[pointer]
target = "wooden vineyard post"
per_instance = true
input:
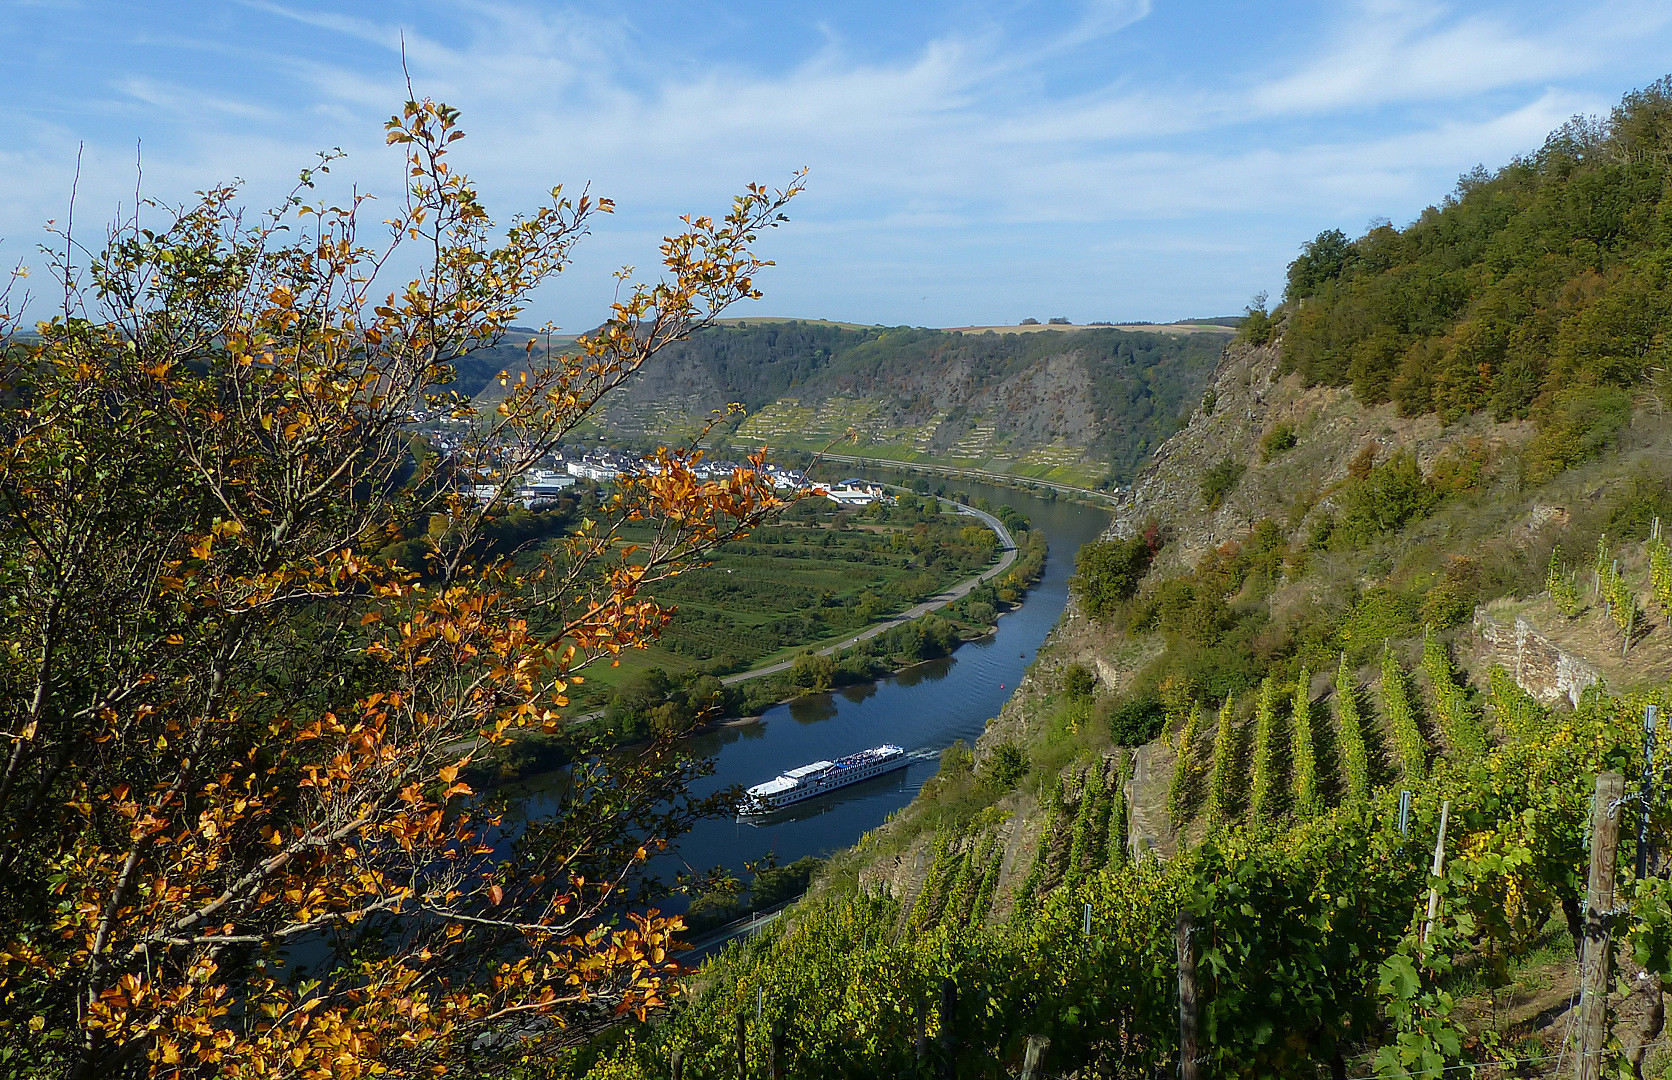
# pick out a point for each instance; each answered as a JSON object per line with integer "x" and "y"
{"x": 1190, "y": 1051}
{"x": 742, "y": 1047}
{"x": 948, "y": 1033}
{"x": 1434, "y": 871}
{"x": 1595, "y": 954}
{"x": 1646, "y": 795}
{"x": 775, "y": 1053}
{"x": 1033, "y": 1064}
{"x": 676, "y": 1065}
{"x": 922, "y": 1031}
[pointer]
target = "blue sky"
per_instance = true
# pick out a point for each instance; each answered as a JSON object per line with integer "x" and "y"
{"x": 970, "y": 163}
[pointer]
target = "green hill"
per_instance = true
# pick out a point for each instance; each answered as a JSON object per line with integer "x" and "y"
{"x": 1083, "y": 406}
{"x": 1543, "y": 290}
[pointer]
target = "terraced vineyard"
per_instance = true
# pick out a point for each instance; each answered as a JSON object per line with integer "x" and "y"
{"x": 1310, "y": 779}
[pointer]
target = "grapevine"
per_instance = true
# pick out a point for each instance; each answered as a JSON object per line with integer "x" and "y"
{"x": 961, "y": 887}
{"x": 1224, "y": 764}
{"x": 1261, "y": 799}
{"x": 1521, "y": 716}
{"x": 1310, "y": 932}
{"x": 1178, "y": 793}
{"x": 1027, "y": 894}
{"x": 1660, "y": 575}
{"x": 1396, "y": 703}
{"x": 1091, "y": 794}
{"x": 962, "y": 904}
{"x": 1120, "y": 826}
{"x": 926, "y": 910}
{"x": 1302, "y": 754}
{"x": 1350, "y": 723}
{"x": 1619, "y": 599}
{"x": 989, "y": 880}
{"x": 1558, "y": 580}
{"x": 1456, "y": 717}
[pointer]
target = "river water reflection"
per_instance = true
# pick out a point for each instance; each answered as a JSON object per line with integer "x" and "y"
{"x": 924, "y": 709}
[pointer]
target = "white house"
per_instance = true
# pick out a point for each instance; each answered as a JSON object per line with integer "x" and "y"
{"x": 853, "y": 493}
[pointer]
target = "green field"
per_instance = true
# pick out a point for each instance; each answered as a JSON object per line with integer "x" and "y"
{"x": 815, "y": 578}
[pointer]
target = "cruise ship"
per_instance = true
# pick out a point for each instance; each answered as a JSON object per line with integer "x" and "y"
{"x": 821, "y": 778}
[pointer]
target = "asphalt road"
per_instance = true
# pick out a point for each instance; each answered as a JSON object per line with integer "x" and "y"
{"x": 1007, "y": 555}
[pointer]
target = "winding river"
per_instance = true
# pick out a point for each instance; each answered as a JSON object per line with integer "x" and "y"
{"x": 924, "y": 709}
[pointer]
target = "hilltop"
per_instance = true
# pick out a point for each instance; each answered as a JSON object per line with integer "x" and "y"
{"x": 1076, "y": 405}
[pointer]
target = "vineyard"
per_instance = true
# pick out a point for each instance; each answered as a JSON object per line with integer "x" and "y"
{"x": 1306, "y": 811}
{"x": 1310, "y": 930}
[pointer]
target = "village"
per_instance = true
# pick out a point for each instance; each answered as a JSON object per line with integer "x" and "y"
{"x": 481, "y": 470}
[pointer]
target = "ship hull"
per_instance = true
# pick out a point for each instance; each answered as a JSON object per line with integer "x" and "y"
{"x": 760, "y": 805}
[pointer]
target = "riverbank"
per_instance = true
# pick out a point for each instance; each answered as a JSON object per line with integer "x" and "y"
{"x": 930, "y": 630}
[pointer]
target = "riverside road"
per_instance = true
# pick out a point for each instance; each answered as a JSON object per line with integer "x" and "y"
{"x": 1007, "y": 555}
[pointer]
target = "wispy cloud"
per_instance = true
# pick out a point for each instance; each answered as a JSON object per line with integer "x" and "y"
{"x": 979, "y": 146}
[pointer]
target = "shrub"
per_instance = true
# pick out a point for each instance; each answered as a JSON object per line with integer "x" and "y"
{"x": 1005, "y": 767}
{"x": 1107, "y": 572}
{"x": 1135, "y": 721}
{"x": 774, "y": 884}
{"x": 1378, "y": 615}
{"x": 1573, "y": 426}
{"x": 1388, "y": 497}
{"x": 1277, "y": 440}
{"x": 1219, "y": 481}
{"x": 1013, "y": 519}
{"x": 812, "y": 672}
{"x": 1079, "y": 682}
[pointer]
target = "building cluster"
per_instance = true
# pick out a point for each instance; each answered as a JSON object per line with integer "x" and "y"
{"x": 559, "y": 470}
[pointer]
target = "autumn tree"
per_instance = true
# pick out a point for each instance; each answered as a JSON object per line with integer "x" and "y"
{"x": 236, "y": 832}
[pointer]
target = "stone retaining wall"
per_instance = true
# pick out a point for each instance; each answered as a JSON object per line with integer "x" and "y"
{"x": 1538, "y": 664}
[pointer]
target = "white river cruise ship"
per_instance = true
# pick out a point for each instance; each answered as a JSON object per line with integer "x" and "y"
{"x": 822, "y": 777}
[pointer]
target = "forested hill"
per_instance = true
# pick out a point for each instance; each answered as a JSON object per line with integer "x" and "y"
{"x": 1084, "y": 405}
{"x": 1541, "y": 290}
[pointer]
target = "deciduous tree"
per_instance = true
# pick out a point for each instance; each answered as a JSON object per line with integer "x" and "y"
{"x": 236, "y": 832}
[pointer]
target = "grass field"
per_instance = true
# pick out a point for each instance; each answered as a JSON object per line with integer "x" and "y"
{"x": 811, "y": 580}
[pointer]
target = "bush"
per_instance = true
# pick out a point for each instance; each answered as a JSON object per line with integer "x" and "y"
{"x": 1258, "y": 327}
{"x": 1013, "y": 519}
{"x": 1107, "y": 572}
{"x": 1573, "y": 426}
{"x": 1005, "y": 767}
{"x": 1079, "y": 682}
{"x": 1219, "y": 481}
{"x": 812, "y": 672}
{"x": 774, "y": 884}
{"x": 1135, "y": 721}
{"x": 1389, "y": 496}
{"x": 1277, "y": 440}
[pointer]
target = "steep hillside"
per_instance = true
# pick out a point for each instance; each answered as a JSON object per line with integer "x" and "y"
{"x": 1081, "y": 406}
{"x": 1414, "y": 537}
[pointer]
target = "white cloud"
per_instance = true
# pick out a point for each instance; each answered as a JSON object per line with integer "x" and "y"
{"x": 959, "y": 141}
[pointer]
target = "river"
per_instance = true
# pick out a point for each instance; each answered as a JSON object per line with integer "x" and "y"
{"x": 924, "y": 709}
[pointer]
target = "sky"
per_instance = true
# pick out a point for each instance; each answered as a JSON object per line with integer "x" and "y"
{"x": 969, "y": 163}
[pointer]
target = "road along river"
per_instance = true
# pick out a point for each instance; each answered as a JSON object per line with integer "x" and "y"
{"x": 924, "y": 709}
